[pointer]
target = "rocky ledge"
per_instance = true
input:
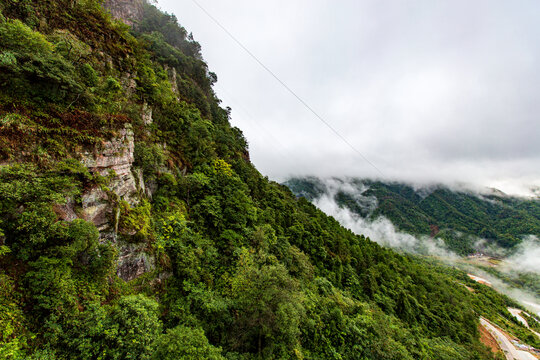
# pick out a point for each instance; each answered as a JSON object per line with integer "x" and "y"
{"x": 129, "y": 11}
{"x": 112, "y": 159}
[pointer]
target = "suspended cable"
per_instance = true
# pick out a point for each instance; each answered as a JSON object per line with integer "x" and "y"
{"x": 305, "y": 104}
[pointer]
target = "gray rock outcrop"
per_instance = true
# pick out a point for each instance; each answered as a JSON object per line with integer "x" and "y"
{"x": 129, "y": 11}
{"x": 133, "y": 262}
{"x": 113, "y": 159}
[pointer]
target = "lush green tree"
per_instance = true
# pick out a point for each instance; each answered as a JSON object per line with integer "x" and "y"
{"x": 12, "y": 339}
{"x": 185, "y": 343}
{"x": 126, "y": 330}
{"x": 269, "y": 306}
{"x": 135, "y": 318}
{"x": 31, "y": 67}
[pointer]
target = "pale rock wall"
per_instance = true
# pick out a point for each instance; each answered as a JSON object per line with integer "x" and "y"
{"x": 173, "y": 79}
{"x": 129, "y": 11}
{"x": 114, "y": 158}
{"x": 133, "y": 261}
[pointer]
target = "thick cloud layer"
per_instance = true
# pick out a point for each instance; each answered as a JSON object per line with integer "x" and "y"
{"x": 426, "y": 90}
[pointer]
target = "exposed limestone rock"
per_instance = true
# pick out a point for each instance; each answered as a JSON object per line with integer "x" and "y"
{"x": 129, "y": 11}
{"x": 146, "y": 114}
{"x": 116, "y": 153}
{"x": 115, "y": 157}
{"x": 133, "y": 261}
{"x": 173, "y": 79}
{"x": 112, "y": 158}
{"x": 96, "y": 208}
{"x": 145, "y": 187}
{"x": 139, "y": 179}
{"x": 151, "y": 187}
{"x": 129, "y": 84}
{"x": 66, "y": 212}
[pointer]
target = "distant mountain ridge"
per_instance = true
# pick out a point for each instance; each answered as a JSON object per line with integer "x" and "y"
{"x": 460, "y": 217}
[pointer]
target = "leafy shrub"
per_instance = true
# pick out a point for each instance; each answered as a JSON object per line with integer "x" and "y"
{"x": 125, "y": 330}
{"x": 149, "y": 158}
{"x": 12, "y": 339}
{"x": 185, "y": 343}
{"x": 38, "y": 70}
{"x": 90, "y": 76}
{"x": 136, "y": 220}
{"x": 135, "y": 320}
{"x": 70, "y": 46}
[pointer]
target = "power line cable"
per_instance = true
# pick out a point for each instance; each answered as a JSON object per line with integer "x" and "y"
{"x": 306, "y": 105}
{"x": 280, "y": 149}
{"x": 248, "y": 115}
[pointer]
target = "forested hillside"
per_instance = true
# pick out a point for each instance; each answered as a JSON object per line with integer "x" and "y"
{"x": 134, "y": 226}
{"x": 461, "y": 218}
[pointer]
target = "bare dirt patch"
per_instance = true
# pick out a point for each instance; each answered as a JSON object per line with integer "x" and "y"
{"x": 487, "y": 339}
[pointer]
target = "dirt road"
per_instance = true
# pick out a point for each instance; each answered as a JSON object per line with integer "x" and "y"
{"x": 507, "y": 347}
{"x": 521, "y": 319}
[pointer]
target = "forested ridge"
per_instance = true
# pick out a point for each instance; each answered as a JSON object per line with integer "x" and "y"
{"x": 460, "y": 217}
{"x": 115, "y": 150}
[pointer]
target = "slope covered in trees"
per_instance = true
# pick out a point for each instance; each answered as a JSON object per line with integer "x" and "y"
{"x": 133, "y": 225}
{"x": 461, "y": 218}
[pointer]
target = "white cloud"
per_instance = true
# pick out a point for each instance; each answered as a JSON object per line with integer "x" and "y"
{"x": 380, "y": 229}
{"x": 526, "y": 257}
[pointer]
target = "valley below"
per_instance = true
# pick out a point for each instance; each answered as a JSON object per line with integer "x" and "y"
{"x": 394, "y": 215}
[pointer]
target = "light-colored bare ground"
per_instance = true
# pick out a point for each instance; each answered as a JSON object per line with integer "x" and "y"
{"x": 508, "y": 349}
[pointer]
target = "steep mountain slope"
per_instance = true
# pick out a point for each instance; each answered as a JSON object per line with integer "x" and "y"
{"x": 460, "y": 217}
{"x": 133, "y": 225}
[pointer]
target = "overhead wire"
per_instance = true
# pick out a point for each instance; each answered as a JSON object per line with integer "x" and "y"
{"x": 269, "y": 71}
{"x": 273, "y": 142}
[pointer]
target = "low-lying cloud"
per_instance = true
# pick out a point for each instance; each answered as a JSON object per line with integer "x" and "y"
{"x": 380, "y": 229}
{"x": 525, "y": 298}
{"x": 526, "y": 258}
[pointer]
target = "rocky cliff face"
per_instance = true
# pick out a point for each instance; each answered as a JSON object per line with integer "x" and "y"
{"x": 129, "y": 11}
{"x": 113, "y": 159}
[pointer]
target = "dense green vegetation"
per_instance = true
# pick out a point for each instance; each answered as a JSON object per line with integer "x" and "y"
{"x": 460, "y": 218}
{"x": 243, "y": 269}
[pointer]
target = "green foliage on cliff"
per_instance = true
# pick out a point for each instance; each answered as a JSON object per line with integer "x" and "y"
{"x": 242, "y": 269}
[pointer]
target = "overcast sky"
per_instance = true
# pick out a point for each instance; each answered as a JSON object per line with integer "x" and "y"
{"x": 426, "y": 90}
